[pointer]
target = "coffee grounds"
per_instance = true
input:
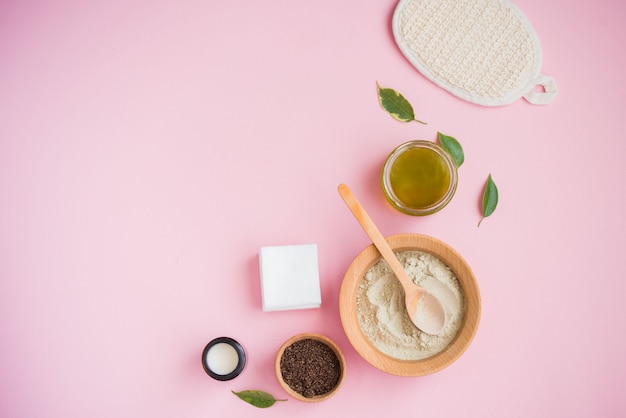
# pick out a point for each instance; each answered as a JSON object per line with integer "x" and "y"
{"x": 310, "y": 367}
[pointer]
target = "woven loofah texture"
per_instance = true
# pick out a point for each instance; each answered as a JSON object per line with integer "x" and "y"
{"x": 483, "y": 51}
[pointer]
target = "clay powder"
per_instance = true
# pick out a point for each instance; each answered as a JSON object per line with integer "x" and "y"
{"x": 382, "y": 311}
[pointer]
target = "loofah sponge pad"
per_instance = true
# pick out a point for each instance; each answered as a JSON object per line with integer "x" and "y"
{"x": 483, "y": 51}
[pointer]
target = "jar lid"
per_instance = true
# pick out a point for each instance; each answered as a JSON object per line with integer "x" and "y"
{"x": 223, "y": 358}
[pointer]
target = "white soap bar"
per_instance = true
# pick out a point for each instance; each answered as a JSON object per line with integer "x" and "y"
{"x": 289, "y": 277}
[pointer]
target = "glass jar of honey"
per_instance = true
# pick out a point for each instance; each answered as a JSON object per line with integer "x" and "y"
{"x": 419, "y": 178}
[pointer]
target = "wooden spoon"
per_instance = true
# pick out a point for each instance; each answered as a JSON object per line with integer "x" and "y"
{"x": 424, "y": 309}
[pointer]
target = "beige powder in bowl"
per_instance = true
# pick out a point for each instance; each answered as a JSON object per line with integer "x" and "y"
{"x": 382, "y": 312}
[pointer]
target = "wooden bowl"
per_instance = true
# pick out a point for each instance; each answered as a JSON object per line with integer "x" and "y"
{"x": 349, "y": 316}
{"x": 317, "y": 337}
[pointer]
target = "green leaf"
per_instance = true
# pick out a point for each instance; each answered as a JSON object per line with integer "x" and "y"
{"x": 453, "y": 147}
{"x": 257, "y": 398}
{"x": 396, "y": 105}
{"x": 490, "y": 198}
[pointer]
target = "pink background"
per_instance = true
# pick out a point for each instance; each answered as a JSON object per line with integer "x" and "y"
{"x": 148, "y": 149}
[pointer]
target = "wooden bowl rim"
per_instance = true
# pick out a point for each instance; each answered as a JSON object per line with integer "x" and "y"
{"x": 349, "y": 318}
{"x": 313, "y": 336}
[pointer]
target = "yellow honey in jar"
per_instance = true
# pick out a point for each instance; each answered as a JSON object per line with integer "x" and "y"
{"x": 419, "y": 178}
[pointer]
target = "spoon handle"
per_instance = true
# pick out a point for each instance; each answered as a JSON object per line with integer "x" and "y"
{"x": 375, "y": 235}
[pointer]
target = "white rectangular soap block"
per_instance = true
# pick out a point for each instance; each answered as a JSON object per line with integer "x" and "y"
{"x": 289, "y": 277}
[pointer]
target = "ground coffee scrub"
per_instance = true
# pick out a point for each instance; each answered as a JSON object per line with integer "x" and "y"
{"x": 310, "y": 367}
{"x": 382, "y": 312}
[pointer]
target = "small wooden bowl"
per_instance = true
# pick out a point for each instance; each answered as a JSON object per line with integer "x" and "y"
{"x": 291, "y": 392}
{"x": 349, "y": 316}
